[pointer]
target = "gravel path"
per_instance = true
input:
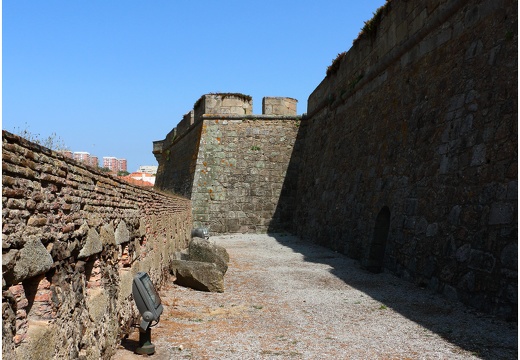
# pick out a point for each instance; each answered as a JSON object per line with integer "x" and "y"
{"x": 286, "y": 299}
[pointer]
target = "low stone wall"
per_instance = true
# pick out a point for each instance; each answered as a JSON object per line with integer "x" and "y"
{"x": 73, "y": 238}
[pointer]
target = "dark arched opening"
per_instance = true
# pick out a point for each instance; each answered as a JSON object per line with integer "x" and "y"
{"x": 376, "y": 254}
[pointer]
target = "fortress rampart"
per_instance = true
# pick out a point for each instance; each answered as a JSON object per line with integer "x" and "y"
{"x": 406, "y": 161}
{"x": 410, "y": 156}
{"x": 73, "y": 238}
{"x": 233, "y": 164}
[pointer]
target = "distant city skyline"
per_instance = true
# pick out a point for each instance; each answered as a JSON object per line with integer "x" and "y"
{"x": 109, "y": 162}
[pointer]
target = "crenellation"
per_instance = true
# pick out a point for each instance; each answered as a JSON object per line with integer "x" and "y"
{"x": 223, "y": 103}
{"x": 279, "y": 106}
{"x": 183, "y": 126}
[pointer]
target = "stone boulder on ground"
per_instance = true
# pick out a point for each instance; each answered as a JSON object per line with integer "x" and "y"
{"x": 202, "y": 266}
{"x": 203, "y": 250}
{"x": 198, "y": 275}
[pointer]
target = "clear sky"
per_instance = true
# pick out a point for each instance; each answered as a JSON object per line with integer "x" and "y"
{"x": 111, "y": 77}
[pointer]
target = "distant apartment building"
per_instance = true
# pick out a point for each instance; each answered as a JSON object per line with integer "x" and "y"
{"x": 82, "y": 156}
{"x": 94, "y": 161}
{"x": 114, "y": 164}
{"x": 110, "y": 162}
{"x": 67, "y": 154}
{"x": 147, "y": 169}
{"x": 122, "y": 164}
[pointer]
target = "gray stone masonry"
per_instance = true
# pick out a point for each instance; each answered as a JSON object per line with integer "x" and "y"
{"x": 233, "y": 166}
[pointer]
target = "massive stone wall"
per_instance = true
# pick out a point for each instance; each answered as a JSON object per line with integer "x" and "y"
{"x": 232, "y": 164}
{"x": 407, "y": 159}
{"x": 410, "y": 156}
{"x": 241, "y": 170}
{"x": 73, "y": 238}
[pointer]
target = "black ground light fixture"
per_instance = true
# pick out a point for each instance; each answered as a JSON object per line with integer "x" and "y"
{"x": 149, "y": 305}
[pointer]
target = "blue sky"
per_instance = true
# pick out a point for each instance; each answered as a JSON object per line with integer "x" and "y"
{"x": 111, "y": 77}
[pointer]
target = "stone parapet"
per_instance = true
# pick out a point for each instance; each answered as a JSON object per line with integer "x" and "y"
{"x": 186, "y": 122}
{"x": 224, "y": 103}
{"x": 279, "y": 106}
{"x": 72, "y": 240}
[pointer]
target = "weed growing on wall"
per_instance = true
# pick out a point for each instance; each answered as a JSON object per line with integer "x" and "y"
{"x": 371, "y": 26}
{"x": 53, "y": 141}
{"x": 334, "y": 67}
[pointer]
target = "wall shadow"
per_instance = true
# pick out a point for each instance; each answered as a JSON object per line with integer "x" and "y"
{"x": 283, "y": 217}
{"x": 178, "y": 161}
{"x": 486, "y": 336}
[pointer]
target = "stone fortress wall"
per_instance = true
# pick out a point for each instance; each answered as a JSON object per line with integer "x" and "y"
{"x": 410, "y": 157}
{"x": 407, "y": 159}
{"x": 73, "y": 238}
{"x": 233, "y": 164}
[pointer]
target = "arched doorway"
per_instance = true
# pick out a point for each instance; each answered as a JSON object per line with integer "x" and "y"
{"x": 376, "y": 254}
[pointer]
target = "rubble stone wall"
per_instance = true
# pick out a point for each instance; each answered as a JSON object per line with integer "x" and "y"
{"x": 410, "y": 157}
{"x": 73, "y": 238}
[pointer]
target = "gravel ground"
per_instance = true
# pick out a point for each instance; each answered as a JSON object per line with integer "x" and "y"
{"x": 286, "y": 299}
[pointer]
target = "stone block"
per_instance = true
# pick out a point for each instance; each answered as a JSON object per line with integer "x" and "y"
{"x": 512, "y": 190}
{"x": 33, "y": 259}
{"x": 509, "y": 256}
{"x": 122, "y": 235}
{"x": 500, "y": 213}
{"x": 97, "y": 304}
{"x": 198, "y": 275}
{"x": 480, "y": 260}
{"x": 203, "y": 250}
{"x": 479, "y": 155}
{"x": 463, "y": 253}
{"x": 40, "y": 341}
{"x": 107, "y": 235}
{"x": 92, "y": 246}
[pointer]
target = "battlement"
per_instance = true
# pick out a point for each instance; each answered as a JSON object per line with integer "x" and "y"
{"x": 234, "y": 105}
{"x": 187, "y": 120}
{"x": 279, "y": 106}
{"x": 223, "y": 103}
{"x": 240, "y": 104}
